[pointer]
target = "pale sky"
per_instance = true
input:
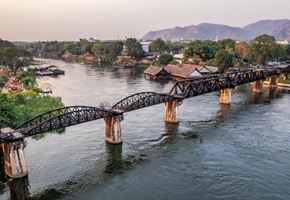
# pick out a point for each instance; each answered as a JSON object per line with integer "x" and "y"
{"x": 66, "y": 20}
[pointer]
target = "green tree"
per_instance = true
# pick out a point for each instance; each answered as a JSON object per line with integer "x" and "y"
{"x": 14, "y": 58}
{"x": 68, "y": 46}
{"x": 287, "y": 51}
{"x": 9, "y": 113}
{"x": 98, "y": 48}
{"x": 263, "y": 48}
{"x": 158, "y": 46}
{"x": 227, "y": 44}
{"x": 202, "y": 49}
{"x": 115, "y": 48}
{"x": 85, "y": 46}
{"x": 223, "y": 60}
{"x": 5, "y": 43}
{"x": 165, "y": 59}
{"x": 174, "y": 46}
{"x": 134, "y": 48}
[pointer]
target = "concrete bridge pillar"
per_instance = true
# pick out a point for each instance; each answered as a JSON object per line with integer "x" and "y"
{"x": 226, "y": 96}
{"x": 172, "y": 111}
{"x": 273, "y": 82}
{"x": 113, "y": 129}
{"x": 13, "y": 150}
{"x": 258, "y": 86}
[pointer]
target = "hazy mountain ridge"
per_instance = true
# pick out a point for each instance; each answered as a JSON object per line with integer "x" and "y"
{"x": 207, "y": 31}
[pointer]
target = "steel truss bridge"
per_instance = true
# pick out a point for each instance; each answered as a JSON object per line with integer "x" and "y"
{"x": 73, "y": 115}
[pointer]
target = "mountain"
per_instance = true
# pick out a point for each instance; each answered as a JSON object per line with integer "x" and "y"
{"x": 206, "y": 31}
{"x": 264, "y": 26}
{"x": 283, "y": 32}
{"x": 211, "y": 31}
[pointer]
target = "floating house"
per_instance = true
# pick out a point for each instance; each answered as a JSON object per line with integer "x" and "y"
{"x": 156, "y": 73}
{"x": 48, "y": 70}
{"x": 180, "y": 72}
{"x": 185, "y": 71}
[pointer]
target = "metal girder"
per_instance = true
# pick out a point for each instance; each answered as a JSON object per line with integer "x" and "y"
{"x": 142, "y": 100}
{"x": 62, "y": 117}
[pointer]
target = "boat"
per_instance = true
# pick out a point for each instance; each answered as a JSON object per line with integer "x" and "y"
{"x": 45, "y": 88}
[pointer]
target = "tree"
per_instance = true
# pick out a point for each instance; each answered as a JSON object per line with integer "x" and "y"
{"x": 174, "y": 46}
{"x": 223, "y": 60}
{"x": 8, "y": 111}
{"x": 98, "y": 48}
{"x": 158, "y": 46}
{"x": 5, "y": 43}
{"x": 85, "y": 46}
{"x": 165, "y": 59}
{"x": 227, "y": 44}
{"x": 14, "y": 58}
{"x": 241, "y": 50}
{"x": 202, "y": 49}
{"x": 263, "y": 48}
{"x": 287, "y": 51}
{"x": 134, "y": 48}
{"x": 115, "y": 48}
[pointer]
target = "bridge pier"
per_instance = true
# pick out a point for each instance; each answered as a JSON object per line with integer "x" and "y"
{"x": 172, "y": 111}
{"x": 258, "y": 86}
{"x": 226, "y": 96}
{"x": 13, "y": 150}
{"x": 273, "y": 82}
{"x": 113, "y": 129}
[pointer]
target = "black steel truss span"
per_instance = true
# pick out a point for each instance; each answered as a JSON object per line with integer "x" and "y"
{"x": 63, "y": 117}
{"x": 193, "y": 87}
{"x": 142, "y": 100}
{"x": 73, "y": 115}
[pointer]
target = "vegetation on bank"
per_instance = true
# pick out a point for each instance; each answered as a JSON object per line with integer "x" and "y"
{"x": 99, "y": 51}
{"x": 20, "y": 107}
{"x": 16, "y": 108}
{"x": 229, "y": 53}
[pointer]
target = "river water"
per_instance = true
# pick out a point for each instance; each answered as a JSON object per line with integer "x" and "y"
{"x": 241, "y": 151}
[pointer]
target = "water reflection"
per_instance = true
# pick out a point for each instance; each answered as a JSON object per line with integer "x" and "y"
{"x": 114, "y": 158}
{"x": 272, "y": 92}
{"x": 19, "y": 189}
{"x": 223, "y": 113}
{"x": 257, "y": 97}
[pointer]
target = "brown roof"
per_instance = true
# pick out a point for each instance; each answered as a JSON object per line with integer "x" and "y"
{"x": 152, "y": 70}
{"x": 183, "y": 71}
{"x": 171, "y": 68}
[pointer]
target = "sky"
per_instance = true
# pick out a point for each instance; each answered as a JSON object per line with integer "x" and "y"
{"x": 69, "y": 20}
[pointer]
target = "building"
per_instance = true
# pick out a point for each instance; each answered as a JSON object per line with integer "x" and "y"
{"x": 156, "y": 73}
{"x": 13, "y": 85}
{"x": 185, "y": 71}
{"x": 145, "y": 46}
{"x": 4, "y": 70}
{"x": 180, "y": 72}
{"x": 212, "y": 69}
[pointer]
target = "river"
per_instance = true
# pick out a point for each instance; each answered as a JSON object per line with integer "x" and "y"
{"x": 240, "y": 151}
